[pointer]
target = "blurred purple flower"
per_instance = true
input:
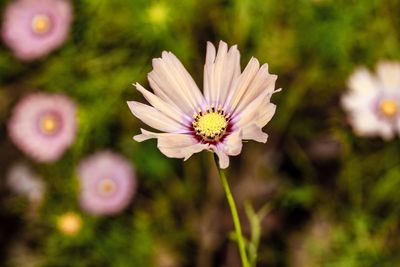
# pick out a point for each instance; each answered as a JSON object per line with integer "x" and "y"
{"x": 43, "y": 125}
{"x": 373, "y": 101}
{"x": 107, "y": 183}
{"x": 33, "y": 28}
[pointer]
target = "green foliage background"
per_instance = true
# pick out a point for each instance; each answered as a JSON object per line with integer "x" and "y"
{"x": 334, "y": 196}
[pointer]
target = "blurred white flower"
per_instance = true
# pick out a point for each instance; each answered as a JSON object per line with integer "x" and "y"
{"x": 373, "y": 101}
{"x": 23, "y": 181}
{"x": 234, "y": 106}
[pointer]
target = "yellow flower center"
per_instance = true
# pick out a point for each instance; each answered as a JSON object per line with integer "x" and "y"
{"x": 49, "y": 124}
{"x": 210, "y": 125}
{"x": 69, "y": 223}
{"x": 388, "y": 107}
{"x": 107, "y": 187}
{"x": 41, "y": 24}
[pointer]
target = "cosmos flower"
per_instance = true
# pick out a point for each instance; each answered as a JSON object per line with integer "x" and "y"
{"x": 33, "y": 28}
{"x": 107, "y": 182}
{"x": 234, "y": 106}
{"x": 372, "y": 101}
{"x": 23, "y": 181}
{"x": 43, "y": 125}
{"x": 69, "y": 223}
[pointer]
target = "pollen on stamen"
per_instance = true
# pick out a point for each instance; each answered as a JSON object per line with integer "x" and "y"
{"x": 41, "y": 24}
{"x": 49, "y": 124}
{"x": 388, "y": 107}
{"x": 210, "y": 125}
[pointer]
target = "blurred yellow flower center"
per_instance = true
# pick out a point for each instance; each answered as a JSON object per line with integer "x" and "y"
{"x": 210, "y": 125}
{"x": 49, "y": 124}
{"x": 157, "y": 13}
{"x": 41, "y": 24}
{"x": 388, "y": 107}
{"x": 69, "y": 223}
{"x": 107, "y": 187}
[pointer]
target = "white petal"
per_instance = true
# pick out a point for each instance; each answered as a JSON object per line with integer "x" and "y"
{"x": 155, "y": 118}
{"x": 398, "y": 126}
{"x": 168, "y": 109}
{"x": 254, "y": 132}
{"x": 220, "y": 71}
{"x": 354, "y": 100}
{"x": 366, "y": 123}
{"x": 195, "y": 92}
{"x": 223, "y": 158}
{"x": 232, "y": 145}
{"x": 362, "y": 81}
{"x": 387, "y": 132}
{"x": 241, "y": 84}
{"x": 172, "y": 83}
{"x": 173, "y": 145}
{"x": 265, "y": 114}
{"x": 250, "y": 113}
{"x": 208, "y": 82}
{"x": 263, "y": 81}
{"x": 142, "y": 137}
{"x": 389, "y": 74}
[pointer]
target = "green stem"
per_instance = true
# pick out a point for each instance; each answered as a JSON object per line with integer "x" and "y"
{"x": 235, "y": 216}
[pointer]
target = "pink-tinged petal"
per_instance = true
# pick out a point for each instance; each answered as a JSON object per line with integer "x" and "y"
{"x": 220, "y": 71}
{"x": 209, "y": 72}
{"x": 362, "y": 81}
{"x": 250, "y": 113}
{"x": 387, "y": 132}
{"x": 223, "y": 158}
{"x": 265, "y": 114}
{"x": 397, "y": 127}
{"x": 354, "y": 100}
{"x": 231, "y": 146}
{"x": 366, "y": 123}
{"x": 182, "y": 152}
{"x": 154, "y": 118}
{"x": 173, "y": 145}
{"x": 389, "y": 74}
{"x": 189, "y": 84}
{"x": 233, "y": 143}
{"x": 169, "y": 110}
{"x": 262, "y": 82}
{"x": 172, "y": 83}
{"x": 254, "y": 132}
{"x": 144, "y": 136}
{"x": 241, "y": 84}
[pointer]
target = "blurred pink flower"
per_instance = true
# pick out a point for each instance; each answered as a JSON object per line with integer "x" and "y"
{"x": 43, "y": 126}
{"x": 107, "y": 182}
{"x": 235, "y": 105}
{"x": 373, "y": 101}
{"x": 33, "y": 28}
